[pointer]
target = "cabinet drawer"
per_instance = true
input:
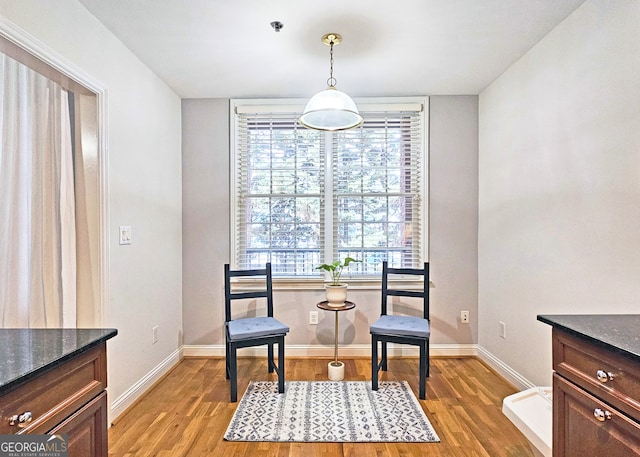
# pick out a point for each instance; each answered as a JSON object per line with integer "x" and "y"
{"x": 56, "y": 394}
{"x": 87, "y": 429}
{"x": 577, "y": 430}
{"x": 607, "y": 374}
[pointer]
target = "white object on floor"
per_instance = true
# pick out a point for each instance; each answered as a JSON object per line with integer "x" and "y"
{"x": 336, "y": 372}
{"x": 531, "y": 411}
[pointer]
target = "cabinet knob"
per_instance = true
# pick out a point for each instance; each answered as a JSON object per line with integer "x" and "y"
{"x": 602, "y": 415}
{"x": 20, "y": 419}
{"x": 604, "y": 376}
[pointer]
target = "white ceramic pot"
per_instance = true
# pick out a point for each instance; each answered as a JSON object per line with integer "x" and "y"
{"x": 336, "y": 371}
{"x": 336, "y": 295}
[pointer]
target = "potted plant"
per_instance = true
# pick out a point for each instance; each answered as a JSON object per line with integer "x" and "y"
{"x": 336, "y": 291}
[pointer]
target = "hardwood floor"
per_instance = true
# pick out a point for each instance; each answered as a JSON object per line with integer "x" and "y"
{"x": 187, "y": 412}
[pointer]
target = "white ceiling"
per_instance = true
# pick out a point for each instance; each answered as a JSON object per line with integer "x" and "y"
{"x": 227, "y": 48}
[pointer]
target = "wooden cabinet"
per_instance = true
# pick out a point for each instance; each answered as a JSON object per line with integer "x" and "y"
{"x": 596, "y": 399}
{"x": 67, "y": 399}
{"x": 86, "y": 429}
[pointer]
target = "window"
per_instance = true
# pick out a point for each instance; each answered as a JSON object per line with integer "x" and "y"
{"x": 303, "y": 197}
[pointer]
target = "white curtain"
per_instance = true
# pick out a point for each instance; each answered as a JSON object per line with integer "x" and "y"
{"x": 37, "y": 209}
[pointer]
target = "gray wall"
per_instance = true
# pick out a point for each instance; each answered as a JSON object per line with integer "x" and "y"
{"x": 560, "y": 184}
{"x": 453, "y": 216}
{"x": 205, "y": 217}
{"x": 453, "y": 234}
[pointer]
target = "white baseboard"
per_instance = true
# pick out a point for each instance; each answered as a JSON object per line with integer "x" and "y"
{"x": 364, "y": 350}
{"x": 120, "y": 404}
{"x": 504, "y": 370}
{"x": 453, "y": 350}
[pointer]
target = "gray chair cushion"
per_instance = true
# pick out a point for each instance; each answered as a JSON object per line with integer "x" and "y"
{"x": 401, "y": 325}
{"x": 255, "y": 327}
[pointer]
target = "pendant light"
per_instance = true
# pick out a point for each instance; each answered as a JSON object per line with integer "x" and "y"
{"x": 331, "y": 109}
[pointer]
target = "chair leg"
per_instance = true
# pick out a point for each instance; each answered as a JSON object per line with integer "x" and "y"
{"x": 374, "y": 363}
{"x": 233, "y": 373}
{"x": 423, "y": 370}
{"x": 280, "y": 367}
{"x": 384, "y": 356}
{"x": 428, "y": 357}
{"x": 226, "y": 359}
{"x": 270, "y": 362}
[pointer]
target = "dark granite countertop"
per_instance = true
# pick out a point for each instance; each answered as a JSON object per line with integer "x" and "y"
{"x": 28, "y": 352}
{"x": 618, "y": 332}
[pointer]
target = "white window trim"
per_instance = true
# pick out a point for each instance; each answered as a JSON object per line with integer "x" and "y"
{"x": 296, "y": 104}
{"x": 50, "y": 57}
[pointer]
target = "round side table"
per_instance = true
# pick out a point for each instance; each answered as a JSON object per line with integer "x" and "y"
{"x": 336, "y": 368}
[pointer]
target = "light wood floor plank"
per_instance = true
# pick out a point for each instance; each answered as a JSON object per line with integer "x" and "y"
{"x": 187, "y": 412}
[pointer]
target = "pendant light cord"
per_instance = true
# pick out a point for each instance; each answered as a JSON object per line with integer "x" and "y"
{"x": 331, "y": 82}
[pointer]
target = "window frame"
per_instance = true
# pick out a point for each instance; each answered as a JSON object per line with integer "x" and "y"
{"x": 365, "y": 105}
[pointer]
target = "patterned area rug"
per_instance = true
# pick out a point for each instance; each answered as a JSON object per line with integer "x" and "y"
{"x": 330, "y": 411}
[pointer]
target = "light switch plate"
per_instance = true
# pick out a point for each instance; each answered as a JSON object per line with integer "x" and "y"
{"x": 125, "y": 234}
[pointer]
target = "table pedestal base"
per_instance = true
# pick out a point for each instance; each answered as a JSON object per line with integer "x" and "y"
{"x": 336, "y": 371}
{"x": 336, "y": 368}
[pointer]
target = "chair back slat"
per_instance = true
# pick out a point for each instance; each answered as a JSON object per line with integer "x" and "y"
{"x": 405, "y": 293}
{"x": 265, "y": 292}
{"x": 256, "y": 294}
{"x": 243, "y": 273}
{"x": 404, "y": 271}
{"x": 387, "y": 292}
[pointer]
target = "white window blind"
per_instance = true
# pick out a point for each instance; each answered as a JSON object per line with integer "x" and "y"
{"x": 378, "y": 185}
{"x": 303, "y": 197}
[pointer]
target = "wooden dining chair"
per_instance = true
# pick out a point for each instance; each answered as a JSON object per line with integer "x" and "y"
{"x": 252, "y": 331}
{"x": 402, "y": 329}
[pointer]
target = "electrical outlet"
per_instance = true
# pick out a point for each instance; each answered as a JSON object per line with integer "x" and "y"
{"x": 155, "y": 331}
{"x": 313, "y": 317}
{"x": 503, "y": 330}
{"x": 464, "y": 317}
